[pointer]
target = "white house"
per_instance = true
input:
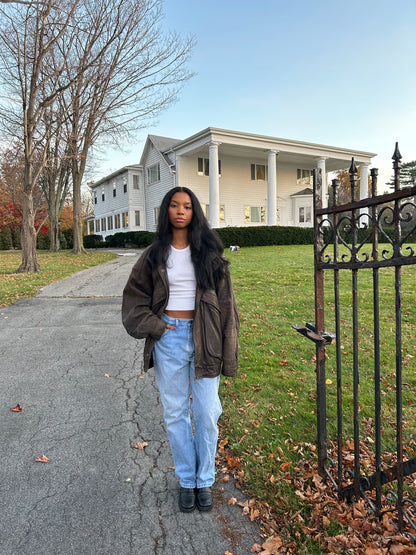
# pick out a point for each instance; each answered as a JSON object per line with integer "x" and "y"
{"x": 258, "y": 180}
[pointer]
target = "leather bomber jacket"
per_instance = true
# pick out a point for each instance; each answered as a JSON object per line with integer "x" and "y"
{"x": 216, "y": 321}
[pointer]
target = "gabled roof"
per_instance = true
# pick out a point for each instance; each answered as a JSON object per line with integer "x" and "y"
{"x": 163, "y": 145}
{"x": 307, "y": 191}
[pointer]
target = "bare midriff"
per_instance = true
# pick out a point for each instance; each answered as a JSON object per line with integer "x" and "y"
{"x": 180, "y": 314}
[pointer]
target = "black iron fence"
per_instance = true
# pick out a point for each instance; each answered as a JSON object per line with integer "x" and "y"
{"x": 365, "y": 235}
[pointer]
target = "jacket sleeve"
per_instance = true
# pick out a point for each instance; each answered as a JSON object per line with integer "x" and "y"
{"x": 137, "y": 315}
{"x": 230, "y": 325}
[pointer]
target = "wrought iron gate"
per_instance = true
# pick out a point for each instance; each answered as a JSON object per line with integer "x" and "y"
{"x": 348, "y": 237}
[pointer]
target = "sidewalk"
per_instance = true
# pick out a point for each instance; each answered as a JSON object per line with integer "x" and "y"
{"x": 66, "y": 359}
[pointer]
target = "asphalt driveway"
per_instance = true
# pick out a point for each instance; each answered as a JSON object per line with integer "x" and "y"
{"x": 66, "y": 359}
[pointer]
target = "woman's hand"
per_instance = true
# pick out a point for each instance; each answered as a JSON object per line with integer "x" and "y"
{"x": 168, "y": 327}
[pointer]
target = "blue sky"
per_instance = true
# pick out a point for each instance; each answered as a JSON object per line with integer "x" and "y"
{"x": 330, "y": 72}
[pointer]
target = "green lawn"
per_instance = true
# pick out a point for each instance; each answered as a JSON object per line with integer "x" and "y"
{"x": 54, "y": 266}
{"x": 269, "y": 417}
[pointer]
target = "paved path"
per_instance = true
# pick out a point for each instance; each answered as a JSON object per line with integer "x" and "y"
{"x": 66, "y": 359}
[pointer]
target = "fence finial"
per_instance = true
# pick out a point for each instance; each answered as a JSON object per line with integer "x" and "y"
{"x": 396, "y": 155}
{"x": 353, "y": 178}
{"x": 396, "y": 167}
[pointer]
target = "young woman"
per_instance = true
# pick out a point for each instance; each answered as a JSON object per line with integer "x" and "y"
{"x": 180, "y": 298}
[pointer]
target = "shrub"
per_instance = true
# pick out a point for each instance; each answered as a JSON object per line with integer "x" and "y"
{"x": 265, "y": 235}
{"x": 6, "y": 241}
{"x": 93, "y": 241}
{"x": 130, "y": 238}
{"x": 16, "y": 238}
{"x": 67, "y": 238}
{"x": 44, "y": 241}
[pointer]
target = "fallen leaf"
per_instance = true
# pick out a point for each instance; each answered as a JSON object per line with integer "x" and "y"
{"x": 256, "y": 548}
{"x": 232, "y": 501}
{"x": 17, "y": 408}
{"x": 273, "y": 543}
{"x": 140, "y": 445}
{"x": 225, "y": 479}
{"x": 106, "y": 375}
{"x": 42, "y": 458}
{"x": 227, "y": 552}
{"x": 128, "y": 480}
{"x": 329, "y": 382}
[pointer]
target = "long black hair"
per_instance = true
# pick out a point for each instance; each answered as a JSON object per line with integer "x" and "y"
{"x": 207, "y": 250}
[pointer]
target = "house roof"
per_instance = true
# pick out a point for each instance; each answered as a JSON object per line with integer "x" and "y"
{"x": 307, "y": 191}
{"x": 124, "y": 169}
{"x": 163, "y": 144}
{"x": 242, "y": 144}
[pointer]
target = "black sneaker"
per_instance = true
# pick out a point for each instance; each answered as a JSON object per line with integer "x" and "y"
{"x": 187, "y": 500}
{"x": 204, "y": 499}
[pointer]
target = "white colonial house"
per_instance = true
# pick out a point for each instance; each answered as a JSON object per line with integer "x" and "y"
{"x": 257, "y": 180}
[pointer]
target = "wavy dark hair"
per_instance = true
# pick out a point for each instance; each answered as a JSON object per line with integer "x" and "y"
{"x": 207, "y": 250}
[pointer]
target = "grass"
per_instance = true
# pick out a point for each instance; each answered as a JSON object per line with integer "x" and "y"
{"x": 54, "y": 266}
{"x": 270, "y": 409}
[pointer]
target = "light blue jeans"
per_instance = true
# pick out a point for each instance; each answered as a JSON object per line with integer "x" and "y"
{"x": 193, "y": 453}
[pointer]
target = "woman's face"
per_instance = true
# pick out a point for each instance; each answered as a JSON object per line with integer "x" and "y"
{"x": 180, "y": 210}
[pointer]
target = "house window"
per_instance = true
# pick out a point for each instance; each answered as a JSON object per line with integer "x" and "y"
{"x": 136, "y": 182}
{"x": 305, "y": 214}
{"x": 153, "y": 173}
{"x": 156, "y": 213}
{"x": 137, "y": 218}
{"x": 304, "y": 177}
{"x": 258, "y": 172}
{"x": 203, "y": 166}
{"x": 109, "y": 223}
{"x": 205, "y": 208}
{"x": 114, "y": 189}
{"x": 254, "y": 214}
{"x": 97, "y": 226}
{"x": 102, "y": 194}
{"x": 117, "y": 221}
{"x": 124, "y": 185}
{"x": 95, "y": 197}
{"x": 125, "y": 219}
{"x": 103, "y": 226}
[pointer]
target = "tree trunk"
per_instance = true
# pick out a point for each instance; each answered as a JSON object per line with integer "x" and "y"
{"x": 54, "y": 232}
{"x": 78, "y": 247}
{"x": 28, "y": 236}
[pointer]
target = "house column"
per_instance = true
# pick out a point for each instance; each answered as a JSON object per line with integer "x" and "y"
{"x": 322, "y": 166}
{"x": 363, "y": 181}
{"x": 271, "y": 188}
{"x": 214, "y": 185}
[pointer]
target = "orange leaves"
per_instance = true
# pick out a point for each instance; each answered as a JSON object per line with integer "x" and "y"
{"x": 42, "y": 459}
{"x": 17, "y": 408}
{"x": 140, "y": 445}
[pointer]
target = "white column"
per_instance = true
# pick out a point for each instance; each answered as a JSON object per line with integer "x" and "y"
{"x": 321, "y": 166}
{"x": 364, "y": 181}
{"x": 271, "y": 188}
{"x": 214, "y": 186}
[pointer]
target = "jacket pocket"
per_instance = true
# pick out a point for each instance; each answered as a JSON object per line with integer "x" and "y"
{"x": 211, "y": 324}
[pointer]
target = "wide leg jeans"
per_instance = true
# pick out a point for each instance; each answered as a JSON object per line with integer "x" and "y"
{"x": 193, "y": 447}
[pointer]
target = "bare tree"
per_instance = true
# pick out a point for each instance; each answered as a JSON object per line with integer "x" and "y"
{"x": 29, "y": 36}
{"x": 137, "y": 71}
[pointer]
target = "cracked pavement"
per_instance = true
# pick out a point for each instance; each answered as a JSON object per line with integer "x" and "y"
{"x": 66, "y": 359}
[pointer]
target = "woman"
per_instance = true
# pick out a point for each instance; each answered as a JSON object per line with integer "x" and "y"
{"x": 179, "y": 297}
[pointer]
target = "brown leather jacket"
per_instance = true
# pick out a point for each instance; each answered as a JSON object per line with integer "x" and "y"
{"x": 216, "y": 322}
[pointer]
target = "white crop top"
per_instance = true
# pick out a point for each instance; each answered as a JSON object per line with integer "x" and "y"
{"x": 181, "y": 277}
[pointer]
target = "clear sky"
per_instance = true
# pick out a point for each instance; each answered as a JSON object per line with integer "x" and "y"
{"x": 326, "y": 71}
